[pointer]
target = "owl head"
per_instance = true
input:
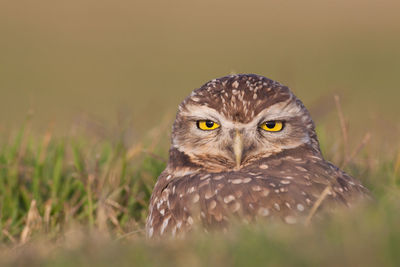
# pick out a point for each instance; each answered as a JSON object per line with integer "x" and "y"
{"x": 230, "y": 122}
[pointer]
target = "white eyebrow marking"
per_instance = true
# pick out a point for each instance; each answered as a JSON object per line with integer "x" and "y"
{"x": 201, "y": 111}
{"x": 283, "y": 109}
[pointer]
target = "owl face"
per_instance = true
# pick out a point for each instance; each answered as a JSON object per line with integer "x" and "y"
{"x": 230, "y": 122}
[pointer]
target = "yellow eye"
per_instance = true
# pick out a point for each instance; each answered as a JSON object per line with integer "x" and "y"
{"x": 207, "y": 125}
{"x": 272, "y": 126}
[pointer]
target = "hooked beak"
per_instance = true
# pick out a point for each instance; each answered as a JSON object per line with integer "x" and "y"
{"x": 238, "y": 148}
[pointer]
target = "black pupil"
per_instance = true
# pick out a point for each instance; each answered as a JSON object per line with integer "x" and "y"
{"x": 209, "y": 124}
{"x": 270, "y": 124}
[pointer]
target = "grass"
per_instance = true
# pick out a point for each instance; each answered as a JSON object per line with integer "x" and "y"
{"x": 79, "y": 200}
{"x": 63, "y": 181}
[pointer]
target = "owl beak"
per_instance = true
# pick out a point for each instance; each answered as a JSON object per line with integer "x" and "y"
{"x": 238, "y": 148}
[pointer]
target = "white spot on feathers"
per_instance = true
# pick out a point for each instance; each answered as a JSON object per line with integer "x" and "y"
{"x": 164, "y": 225}
{"x": 264, "y": 166}
{"x": 196, "y": 198}
{"x": 235, "y": 207}
{"x": 265, "y": 192}
{"x": 300, "y": 207}
{"x": 247, "y": 180}
{"x": 263, "y": 211}
{"x": 290, "y": 220}
{"x": 235, "y": 84}
{"x": 256, "y": 188}
{"x": 151, "y": 231}
{"x": 237, "y": 181}
{"x": 229, "y": 198}
{"x": 277, "y": 207}
{"x": 212, "y": 205}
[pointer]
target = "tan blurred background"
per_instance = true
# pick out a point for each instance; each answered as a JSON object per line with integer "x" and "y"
{"x": 62, "y": 59}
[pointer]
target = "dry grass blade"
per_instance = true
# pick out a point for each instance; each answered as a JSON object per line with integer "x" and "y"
{"x": 362, "y": 144}
{"x": 130, "y": 234}
{"x": 24, "y": 140}
{"x": 46, "y": 140}
{"x": 116, "y": 205}
{"x": 101, "y": 217}
{"x": 33, "y": 222}
{"x": 158, "y": 132}
{"x": 397, "y": 164}
{"x": 154, "y": 156}
{"x": 47, "y": 213}
{"x": 342, "y": 126}
{"x": 9, "y": 236}
{"x": 317, "y": 204}
{"x": 134, "y": 151}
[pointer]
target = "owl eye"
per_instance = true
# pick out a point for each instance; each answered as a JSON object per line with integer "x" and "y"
{"x": 272, "y": 126}
{"x": 207, "y": 125}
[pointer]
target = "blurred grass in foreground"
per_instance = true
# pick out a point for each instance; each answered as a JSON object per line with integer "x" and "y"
{"x": 83, "y": 200}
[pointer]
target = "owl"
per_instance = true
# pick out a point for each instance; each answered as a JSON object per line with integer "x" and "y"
{"x": 244, "y": 148}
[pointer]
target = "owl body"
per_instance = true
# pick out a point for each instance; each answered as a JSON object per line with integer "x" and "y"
{"x": 243, "y": 148}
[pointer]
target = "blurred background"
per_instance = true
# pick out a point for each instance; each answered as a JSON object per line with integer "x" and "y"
{"x": 61, "y": 60}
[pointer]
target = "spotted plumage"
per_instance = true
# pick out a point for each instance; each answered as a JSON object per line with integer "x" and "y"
{"x": 236, "y": 169}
